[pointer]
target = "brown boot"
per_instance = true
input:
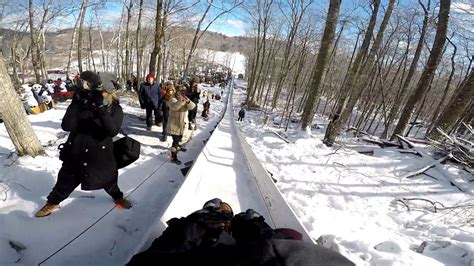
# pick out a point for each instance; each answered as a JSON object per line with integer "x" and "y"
{"x": 47, "y": 209}
{"x": 123, "y": 203}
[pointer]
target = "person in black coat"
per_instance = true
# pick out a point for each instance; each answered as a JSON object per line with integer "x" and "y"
{"x": 205, "y": 112}
{"x": 213, "y": 236}
{"x": 241, "y": 114}
{"x": 150, "y": 100}
{"x": 193, "y": 93}
{"x": 93, "y": 118}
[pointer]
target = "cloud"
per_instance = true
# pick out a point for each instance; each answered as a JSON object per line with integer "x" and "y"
{"x": 239, "y": 24}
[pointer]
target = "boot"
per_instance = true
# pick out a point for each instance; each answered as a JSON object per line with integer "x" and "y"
{"x": 47, "y": 209}
{"x": 182, "y": 148}
{"x": 174, "y": 158}
{"x": 122, "y": 203}
{"x": 163, "y": 138}
{"x": 190, "y": 127}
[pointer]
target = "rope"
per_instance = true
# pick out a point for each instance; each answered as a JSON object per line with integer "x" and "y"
{"x": 90, "y": 226}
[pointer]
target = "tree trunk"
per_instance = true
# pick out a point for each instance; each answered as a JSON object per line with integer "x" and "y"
{"x": 91, "y": 49}
{"x": 79, "y": 38}
{"x": 158, "y": 38}
{"x": 431, "y": 65}
{"x": 321, "y": 64}
{"x": 337, "y": 120}
{"x": 34, "y": 50}
{"x": 398, "y": 101}
{"x": 196, "y": 37}
{"x": 16, "y": 122}
{"x": 455, "y": 108}
{"x": 138, "y": 45}
{"x": 127, "y": 71}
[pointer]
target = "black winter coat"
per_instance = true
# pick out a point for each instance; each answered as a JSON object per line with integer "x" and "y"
{"x": 90, "y": 151}
{"x": 150, "y": 95}
{"x": 193, "y": 95}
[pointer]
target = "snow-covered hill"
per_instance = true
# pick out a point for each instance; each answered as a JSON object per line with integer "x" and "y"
{"x": 355, "y": 202}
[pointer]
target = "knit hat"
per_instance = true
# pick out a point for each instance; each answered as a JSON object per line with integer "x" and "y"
{"x": 107, "y": 82}
{"x": 219, "y": 205}
{"x": 92, "y": 78}
{"x": 150, "y": 76}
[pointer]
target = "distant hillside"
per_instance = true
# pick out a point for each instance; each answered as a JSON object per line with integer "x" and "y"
{"x": 58, "y": 43}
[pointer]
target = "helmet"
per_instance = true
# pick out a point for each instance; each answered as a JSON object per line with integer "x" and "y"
{"x": 37, "y": 87}
{"x": 46, "y": 99}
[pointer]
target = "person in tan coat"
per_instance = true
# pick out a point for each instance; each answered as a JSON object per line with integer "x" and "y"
{"x": 179, "y": 104}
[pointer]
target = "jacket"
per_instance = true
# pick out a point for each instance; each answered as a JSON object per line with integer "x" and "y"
{"x": 150, "y": 95}
{"x": 177, "y": 114}
{"x": 89, "y": 149}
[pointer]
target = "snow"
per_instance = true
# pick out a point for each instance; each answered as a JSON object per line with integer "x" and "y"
{"x": 235, "y": 61}
{"x": 348, "y": 201}
{"x": 114, "y": 235}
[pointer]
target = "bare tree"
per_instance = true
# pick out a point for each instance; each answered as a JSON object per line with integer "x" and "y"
{"x": 79, "y": 38}
{"x": 398, "y": 100}
{"x": 139, "y": 45}
{"x": 127, "y": 65}
{"x": 74, "y": 33}
{"x": 339, "y": 117}
{"x": 158, "y": 37}
{"x": 16, "y": 122}
{"x": 198, "y": 32}
{"x": 431, "y": 65}
{"x": 321, "y": 65}
{"x": 456, "y": 107}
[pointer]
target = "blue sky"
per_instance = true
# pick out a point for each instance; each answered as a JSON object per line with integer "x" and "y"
{"x": 233, "y": 24}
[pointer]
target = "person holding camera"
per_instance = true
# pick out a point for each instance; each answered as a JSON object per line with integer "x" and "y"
{"x": 93, "y": 119}
{"x": 179, "y": 105}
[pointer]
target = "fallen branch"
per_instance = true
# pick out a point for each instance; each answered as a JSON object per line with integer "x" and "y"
{"x": 368, "y": 152}
{"x": 410, "y": 152}
{"x": 437, "y": 206}
{"x": 468, "y": 127}
{"x": 403, "y": 141}
{"x": 373, "y": 141}
{"x": 423, "y": 169}
{"x": 281, "y": 137}
{"x": 357, "y": 131}
{"x": 381, "y": 143}
{"x": 419, "y": 141}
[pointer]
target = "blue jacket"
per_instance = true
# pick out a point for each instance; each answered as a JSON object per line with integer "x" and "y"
{"x": 150, "y": 95}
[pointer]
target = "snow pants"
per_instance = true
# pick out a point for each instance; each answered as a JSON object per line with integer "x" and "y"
{"x": 150, "y": 111}
{"x": 68, "y": 181}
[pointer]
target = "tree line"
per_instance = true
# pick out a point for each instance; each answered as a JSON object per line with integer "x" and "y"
{"x": 150, "y": 37}
{"x": 377, "y": 67}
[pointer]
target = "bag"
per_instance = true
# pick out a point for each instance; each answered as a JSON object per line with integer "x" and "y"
{"x": 126, "y": 151}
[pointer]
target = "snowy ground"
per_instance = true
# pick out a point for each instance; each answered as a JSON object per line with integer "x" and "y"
{"x": 350, "y": 199}
{"x": 88, "y": 229}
